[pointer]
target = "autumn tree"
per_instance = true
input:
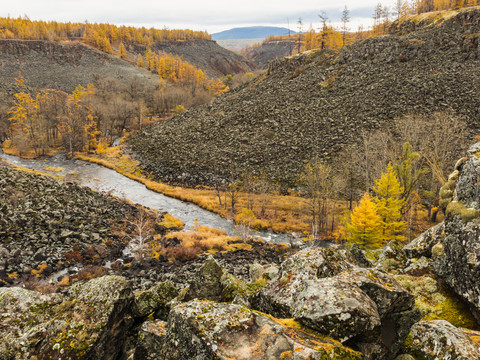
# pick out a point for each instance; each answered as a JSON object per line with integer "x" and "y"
{"x": 388, "y": 198}
{"x": 365, "y": 226}
{"x": 316, "y": 186}
{"x": 122, "y": 52}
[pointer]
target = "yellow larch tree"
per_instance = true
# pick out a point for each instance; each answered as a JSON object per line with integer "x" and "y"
{"x": 365, "y": 226}
{"x": 389, "y": 201}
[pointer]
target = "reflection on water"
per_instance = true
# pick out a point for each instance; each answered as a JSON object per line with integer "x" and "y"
{"x": 106, "y": 180}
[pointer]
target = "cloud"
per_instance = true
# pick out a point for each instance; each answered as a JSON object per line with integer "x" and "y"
{"x": 207, "y": 14}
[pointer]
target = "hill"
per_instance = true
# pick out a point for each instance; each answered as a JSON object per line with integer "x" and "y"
{"x": 315, "y": 105}
{"x": 251, "y": 32}
{"x": 269, "y": 50}
{"x": 53, "y": 65}
{"x": 206, "y": 55}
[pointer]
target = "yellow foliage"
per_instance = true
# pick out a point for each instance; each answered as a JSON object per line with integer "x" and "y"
{"x": 38, "y": 272}
{"x": 365, "y": 224}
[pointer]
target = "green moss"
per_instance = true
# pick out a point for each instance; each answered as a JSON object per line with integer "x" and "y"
{"x": 446, "y": 192}
{"x": 455, "y": 208}
{"x": 436, "y": 302}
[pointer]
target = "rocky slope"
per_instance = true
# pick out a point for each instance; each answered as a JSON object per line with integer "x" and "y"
{"x": 53, "y": 65}
{"x": 48, "y": 225}
{"x": 315, "y": 105}
{"x": 270, "y": 50}
{"x": 207, "y": 55}
{"x": 335, "y": 310}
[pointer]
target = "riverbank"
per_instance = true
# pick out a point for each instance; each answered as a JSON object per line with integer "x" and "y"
{"x": 278, "y": 213}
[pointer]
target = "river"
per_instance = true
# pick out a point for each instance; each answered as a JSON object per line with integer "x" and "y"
{"x": 106, "y": 180}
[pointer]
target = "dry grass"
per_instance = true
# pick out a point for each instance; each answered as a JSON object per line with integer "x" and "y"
{"x": 282, "y": 213}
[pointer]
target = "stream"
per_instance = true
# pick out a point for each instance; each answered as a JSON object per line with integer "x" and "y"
{"x": 106, "y": 180}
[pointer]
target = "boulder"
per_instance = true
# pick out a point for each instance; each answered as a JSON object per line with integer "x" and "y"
{"x": 207, "y": 330}
{"x": 337, "y": 308}
{"x": 456, "y": 258}
{"x": 214, "y": 283}
{"x": 150, "y": 340}
{"x": 155, "y": 300}
{"x": 90, "y": 323}
{"x": 422, "y": 245}
{"x": 438, "y": 339}
{"x": 255, "y": 272}
{"x": 364, "y": 308}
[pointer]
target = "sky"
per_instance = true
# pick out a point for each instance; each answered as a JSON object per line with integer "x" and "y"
{"x": 210, "y": 15}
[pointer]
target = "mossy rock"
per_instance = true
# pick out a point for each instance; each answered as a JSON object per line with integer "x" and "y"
{"x": 455, "y": 208}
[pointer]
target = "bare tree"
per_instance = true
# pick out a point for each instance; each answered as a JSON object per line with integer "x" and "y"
{"x": 300, "y": 31}
{"x": 323, "y": 29}
{"x": 345, "y": 20}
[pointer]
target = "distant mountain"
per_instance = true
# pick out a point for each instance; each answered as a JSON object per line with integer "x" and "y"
{"x": 251, "y": 32}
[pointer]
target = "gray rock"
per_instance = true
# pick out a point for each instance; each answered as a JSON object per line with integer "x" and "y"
{"x": 90, "y": 323}
{"x": 208, "y": 330}
{"x": 422, "y": 245}
{"x": 150, "y": 340}
{"x": 214, "y": 283}
{"x": 255, "y": 272}
{"x": 155, "y": 300}
{"x": 439, "y": 339}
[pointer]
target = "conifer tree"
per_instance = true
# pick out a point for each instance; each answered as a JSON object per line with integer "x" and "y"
{"x": 389, "y": 203}
{"x": 140, "y": 61}
{"x": 365, "y": 226}
{"x": 122, "y": 51}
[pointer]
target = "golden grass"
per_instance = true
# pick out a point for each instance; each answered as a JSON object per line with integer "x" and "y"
{"x": 282, "y": 213}
{"x": 53, "y": 169}
{"x": 171, "y": 222}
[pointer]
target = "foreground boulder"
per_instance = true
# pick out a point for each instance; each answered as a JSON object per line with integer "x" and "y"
{"x": 155, "y": 300}
{"x": 363, "y": 308}
{"x": 214, "y": 283}
{"x": 90, "y": 323}
{"x": 441, "y": 340}
{"x": 456, "y": 257}
{"x": 207, "y": 330}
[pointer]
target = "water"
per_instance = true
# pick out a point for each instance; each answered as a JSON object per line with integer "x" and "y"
{"x": 109, "y": 181}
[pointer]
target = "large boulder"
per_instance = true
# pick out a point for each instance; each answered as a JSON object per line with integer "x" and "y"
{"x": 212, "y": 282}
{"x": 154, "y": 300}
{"x": 439, "y": 339}
{"x": 456, "y": 257}
{"x": 206, "y": 330}
{"x": 90, "y": 323}
{"x": 150, "y": 341}
{"x": 364, "y": 308}
{"x": 422, "y": 245}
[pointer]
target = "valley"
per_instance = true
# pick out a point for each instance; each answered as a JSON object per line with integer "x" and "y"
{"x": 162, "y": 197}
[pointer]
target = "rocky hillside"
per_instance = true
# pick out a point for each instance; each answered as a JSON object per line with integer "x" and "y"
{"x": 315, "y": 105}
{"x": 268, "y": 51}
{"x": 48, "y": 225}
{"x": 53, "y": 65}
{"x": 207, "y": 55}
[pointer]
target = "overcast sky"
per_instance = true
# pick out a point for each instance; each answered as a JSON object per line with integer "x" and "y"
{"x": 210, "y": 15}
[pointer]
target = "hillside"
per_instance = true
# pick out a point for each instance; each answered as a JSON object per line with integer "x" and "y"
{"x": 251, "y": 32}
{"x": 206, "y": 55}
{"x": 315, "y": 105}
{"x": 46, "y": 64}
{"x": 269, "y": 50}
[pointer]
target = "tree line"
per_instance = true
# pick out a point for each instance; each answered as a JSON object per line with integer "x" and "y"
{"x": 101, "y": 36}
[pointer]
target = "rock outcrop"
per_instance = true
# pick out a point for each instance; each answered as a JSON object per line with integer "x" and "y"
{"x": 208, "y": 330}
{"x": 316, "y": 104}
{"x": 441, "y": 340}
{"x": 323, "y": 290}
{"x": 456, "y": 257}
{"x": 90, "y": 323}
